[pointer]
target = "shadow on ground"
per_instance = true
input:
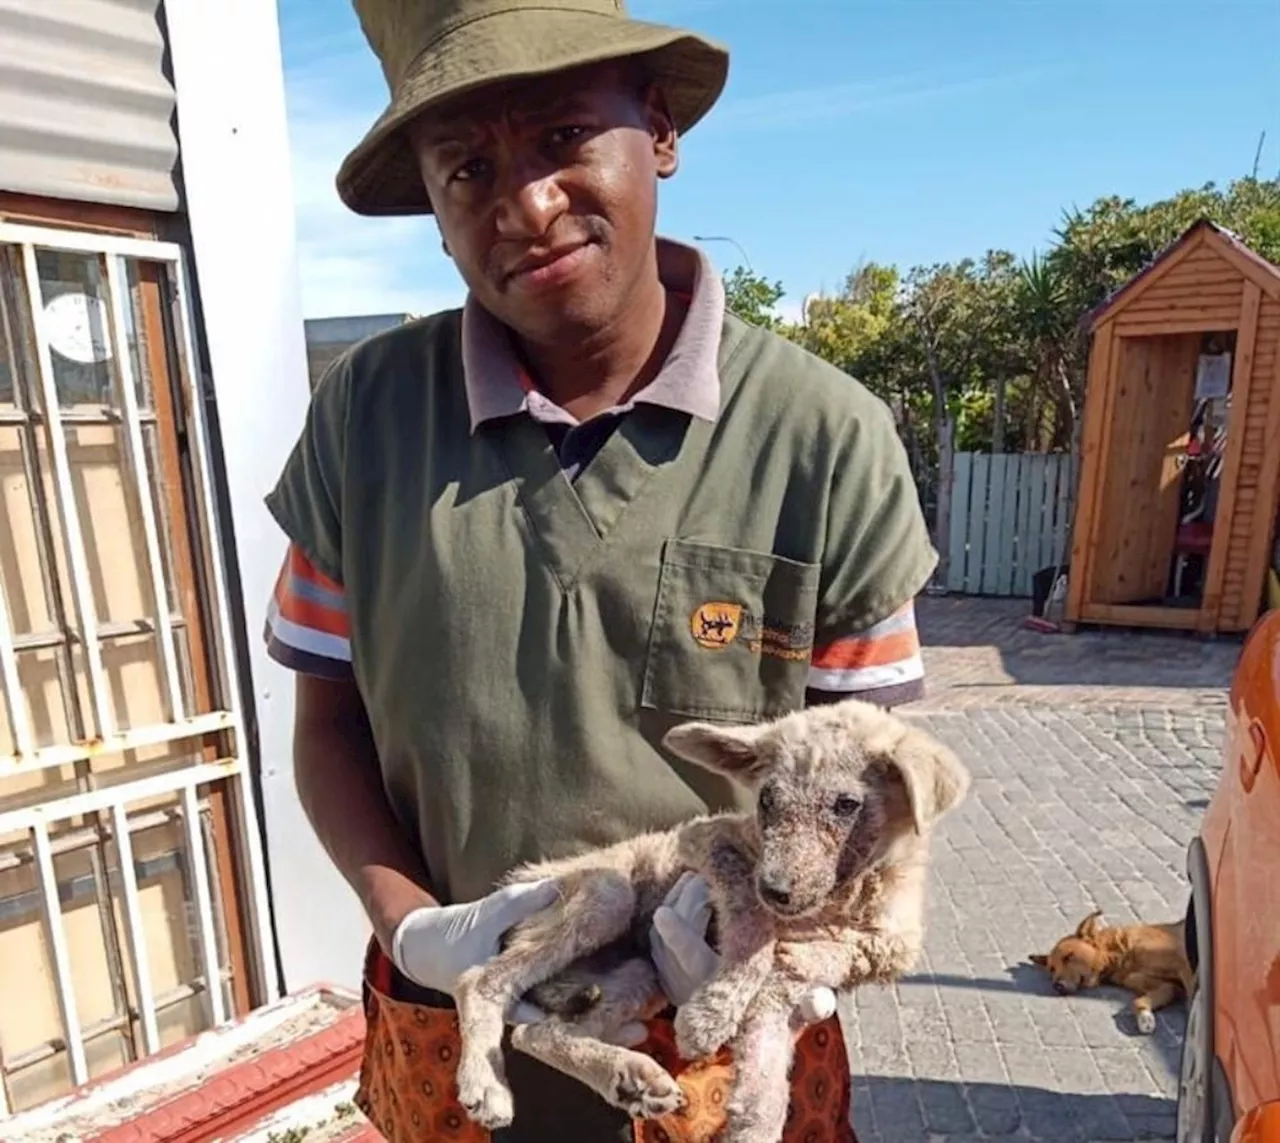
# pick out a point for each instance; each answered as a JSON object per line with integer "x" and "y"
{"x": 979, "y": 643}
{"x": 890, "y": 1109}
{"x": 1164, "y": 1045}
{"x": 1162, "y": 1048}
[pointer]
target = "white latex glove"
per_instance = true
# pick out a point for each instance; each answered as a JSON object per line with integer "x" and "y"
{"x": 434, "y": 946}
{"x": 678, "y": 939}
{"x": 684, "y": 960}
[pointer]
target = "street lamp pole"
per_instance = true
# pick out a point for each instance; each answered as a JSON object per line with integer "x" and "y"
{"x": 732, "y": 242}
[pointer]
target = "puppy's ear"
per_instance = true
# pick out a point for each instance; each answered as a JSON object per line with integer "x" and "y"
{"x": 936, "y": 780}
{"x": 1039, "y": 959}
{"x": 730, "y": 750}
{"x": 1090, "y": 926}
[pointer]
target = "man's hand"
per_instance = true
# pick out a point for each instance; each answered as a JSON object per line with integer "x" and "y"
{"x": 678, "y": 939}
{"x": 684, "y": 960}
{"x": 434, "y": 946}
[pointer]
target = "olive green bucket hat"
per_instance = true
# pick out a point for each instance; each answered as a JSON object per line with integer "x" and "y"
{"x": 433, "y": 50}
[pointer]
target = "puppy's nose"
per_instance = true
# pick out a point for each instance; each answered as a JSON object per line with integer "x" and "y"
{"x": 1059, "y": 988}
{"x": 776, "y": 893}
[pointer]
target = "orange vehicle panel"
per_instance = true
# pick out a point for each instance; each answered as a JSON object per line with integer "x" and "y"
{"x": 1261, "y": 1125}
{"x": 1242, "y": 838}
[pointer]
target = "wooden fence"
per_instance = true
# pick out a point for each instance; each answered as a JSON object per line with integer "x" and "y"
{"x": 1010, "y": 517}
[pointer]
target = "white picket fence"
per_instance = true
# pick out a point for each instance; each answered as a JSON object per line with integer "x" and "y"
{"x": 1010, "y": 517}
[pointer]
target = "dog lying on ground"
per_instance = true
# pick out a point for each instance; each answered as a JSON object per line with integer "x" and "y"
{"x": 1150, "y": 960}
{"x": 823, "y": 885}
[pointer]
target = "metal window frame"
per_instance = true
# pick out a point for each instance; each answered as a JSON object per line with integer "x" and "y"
{"x": 114, "y": 800}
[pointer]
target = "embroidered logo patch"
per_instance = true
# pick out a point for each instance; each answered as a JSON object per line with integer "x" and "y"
{"x": 715, "y": 625}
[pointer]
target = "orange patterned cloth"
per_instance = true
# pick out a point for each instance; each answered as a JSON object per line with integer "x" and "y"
{"x": 820, "y": 1084}
{"x": 411, "y": 1052}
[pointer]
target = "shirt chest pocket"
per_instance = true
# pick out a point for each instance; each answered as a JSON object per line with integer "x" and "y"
{"x": 732, "y": 633}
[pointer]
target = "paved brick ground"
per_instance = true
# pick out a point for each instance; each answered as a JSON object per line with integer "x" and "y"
{"x": 1073, "y": 807}
{"x": 977, "y": 653}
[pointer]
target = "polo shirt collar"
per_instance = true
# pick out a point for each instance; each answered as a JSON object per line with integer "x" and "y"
{"x": 689, "y": 380}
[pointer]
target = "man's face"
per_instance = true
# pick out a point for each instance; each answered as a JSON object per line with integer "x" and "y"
{"x": 545, "y": 192}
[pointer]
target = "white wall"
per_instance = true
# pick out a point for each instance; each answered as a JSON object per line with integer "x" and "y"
{"x": 235, "y": 155}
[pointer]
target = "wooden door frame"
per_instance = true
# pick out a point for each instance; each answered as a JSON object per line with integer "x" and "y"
{"x": 1241, "y": 388}
{"x": 1096, "y": 442}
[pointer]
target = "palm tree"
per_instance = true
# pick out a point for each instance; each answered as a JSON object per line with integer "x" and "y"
{"x": 1049, "y": 325}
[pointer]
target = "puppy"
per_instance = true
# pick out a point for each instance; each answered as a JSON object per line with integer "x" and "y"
{"x": 823, "y": 885}
{"x": 1150, "y": 960}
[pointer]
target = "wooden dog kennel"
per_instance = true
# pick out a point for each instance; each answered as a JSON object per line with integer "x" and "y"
{"x": 1180, "y": 459}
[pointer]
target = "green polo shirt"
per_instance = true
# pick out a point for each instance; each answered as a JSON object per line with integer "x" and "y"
{"x": 522, "y": 640}
{"x": 527, "y": 604}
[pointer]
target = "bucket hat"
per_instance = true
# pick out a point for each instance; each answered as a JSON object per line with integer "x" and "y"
{"x": 433, "y": 50}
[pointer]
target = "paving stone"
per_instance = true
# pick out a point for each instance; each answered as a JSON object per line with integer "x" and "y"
{"x": 1093, "y": 757}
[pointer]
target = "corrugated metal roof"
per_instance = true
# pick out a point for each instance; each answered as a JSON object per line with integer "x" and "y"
{"x": 85, "y": 108}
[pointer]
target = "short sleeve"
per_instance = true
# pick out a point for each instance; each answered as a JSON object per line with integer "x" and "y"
{"x": 877, "y": 558}
{"x": 307, "y": 628}
{"x": 307, "y": 499}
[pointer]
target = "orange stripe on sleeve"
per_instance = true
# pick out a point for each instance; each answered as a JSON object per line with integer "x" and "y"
{"x": 856, "y": 652}
{"x": 304, "y": 569}
{"x": 306, "y": 613}
{"x": 300, "y": 596}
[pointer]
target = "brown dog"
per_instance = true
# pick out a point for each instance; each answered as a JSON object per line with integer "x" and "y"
{"x": 1150, "y": 960}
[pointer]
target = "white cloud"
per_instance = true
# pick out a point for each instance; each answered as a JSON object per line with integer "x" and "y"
{"x": 806, "y": 105}
{"x": 790, "y": 309}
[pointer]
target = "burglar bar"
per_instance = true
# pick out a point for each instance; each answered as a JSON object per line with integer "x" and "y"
{"x": 116, "y": 1022}
{"x": 42, "y": 640}
{"x": 86, "y": 417}
{"x": 65, "y": 754}
{"x": 46, "y": 543}
{"x": 15, "y": 703}
{"x": 76, "y": 805}
{"x": 14, "y": 700}
{"x": 68, "y": 512}
{"x": 72, "y": 841}
{"x": 204, "y": 901}
{"x": 36, "y": 821}
{"x": 138, "y": 460}
{"x": 61, "y": 954}
{"x": 229, "y": 773}
{"x": 137, "y": 936}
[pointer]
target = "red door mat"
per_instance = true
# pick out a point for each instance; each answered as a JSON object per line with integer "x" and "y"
{"x": 286, "y": 1071}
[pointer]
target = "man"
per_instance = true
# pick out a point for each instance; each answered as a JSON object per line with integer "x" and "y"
{"x": 529, "y": 537}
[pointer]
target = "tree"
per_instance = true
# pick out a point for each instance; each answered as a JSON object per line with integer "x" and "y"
{"x": 991, "y": 353}
{"x": 842, "y": 327}
{"x": 752, "y": 297}
{"x": 957, "y": 313}
{"x": 1050, "y": 332}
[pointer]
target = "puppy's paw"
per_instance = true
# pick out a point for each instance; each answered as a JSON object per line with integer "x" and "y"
{"x": 701, "y": 1031}
{"x": 644, "y": 1090}
{"x": 484, "y": 1095}
{"x": 1145, "y": 1020}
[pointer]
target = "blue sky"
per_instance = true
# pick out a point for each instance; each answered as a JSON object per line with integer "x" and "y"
{"x": 907, "y": 131}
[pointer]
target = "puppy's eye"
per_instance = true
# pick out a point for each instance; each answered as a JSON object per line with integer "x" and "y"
{"x": 767, "y": 800}
{"x": 846, "y": 805}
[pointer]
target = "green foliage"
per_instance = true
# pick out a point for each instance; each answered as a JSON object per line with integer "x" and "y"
{"x": 752, "y": 297}
{"x": 956, "y": 347}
